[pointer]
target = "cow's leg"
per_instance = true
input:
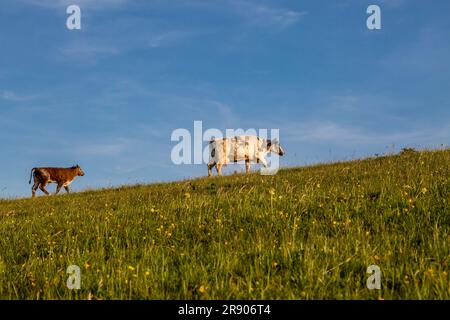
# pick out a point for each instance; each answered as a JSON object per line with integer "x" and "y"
{"x": 247, "y": 166}
{"x": 42, "y": 187}
{"x": 44, "y": 179}
{"x": 263, "y": 161}
{"x": 210, "y": 166}
{"x": 219, "y": 168}
{"x": 67, "y": 189}
{"x": 58, "y": 188}
{"x": 34, "y": 188}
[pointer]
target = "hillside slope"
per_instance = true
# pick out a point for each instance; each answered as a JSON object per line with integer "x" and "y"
{"x": 305, "y": 233}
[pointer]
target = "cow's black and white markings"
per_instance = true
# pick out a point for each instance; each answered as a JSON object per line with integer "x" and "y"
{"x": 240, "y": 148}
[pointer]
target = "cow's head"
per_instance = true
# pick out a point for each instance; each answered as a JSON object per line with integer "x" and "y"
{"x": 80, "y": 171}
{"x": 275, "y": 147}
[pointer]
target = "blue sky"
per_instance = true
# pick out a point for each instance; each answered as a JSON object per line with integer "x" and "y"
{"x": 108, "y": 96}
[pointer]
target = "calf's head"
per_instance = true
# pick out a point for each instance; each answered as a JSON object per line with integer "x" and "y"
{"x": 79, "y": 171}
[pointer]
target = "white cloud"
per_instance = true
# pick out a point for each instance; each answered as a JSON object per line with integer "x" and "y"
{"x": 88, "y": 50}
{"x": 393, "y": 3}
{"x": 173, "y": 37}
{"x": 111, "y": 149}
{"x": 281, "y": 18}
{"x": 345, "y": 102}
{"x": 91, "y": 4}
{"x": 430, "y": 52}
{"x": 257, "y": 14}
{"x": 251, "y": 13}
{"x": 339, "y": 134}
{"x": 12, "y": 96}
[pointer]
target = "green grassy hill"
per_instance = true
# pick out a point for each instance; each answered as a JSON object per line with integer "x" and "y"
{"x": 305, "y": 233}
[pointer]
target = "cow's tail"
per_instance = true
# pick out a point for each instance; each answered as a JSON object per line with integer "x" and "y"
{"x": 31, "y": 175}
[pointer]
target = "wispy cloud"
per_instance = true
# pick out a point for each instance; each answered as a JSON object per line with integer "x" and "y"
{"x": 91, "y": 4}
{"x": 339, "y": 134}
{"x": 103, "y": 149}
{"x": 257, "y": 14}
{"x": 87, "y": 50}
{"x": 153, "y": 35}
{"x": 12, "y": 96}
{"x": 96, "y": 46}
{"x": 429, "y": 53}
{"x": 393, "y": 3}
{"x": 171, "y": 38}
{"x": 260, "y": 15}
{"x": 345, "y": 102}
{"x": 382, "y": 3}
{"x": 251, "y": 13}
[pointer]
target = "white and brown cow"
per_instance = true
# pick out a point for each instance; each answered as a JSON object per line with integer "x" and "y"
{"x": 240, "y": 148}
{"x": 63, "y": 177}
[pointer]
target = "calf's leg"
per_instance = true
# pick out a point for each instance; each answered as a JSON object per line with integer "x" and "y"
{"x": 42, "y": 187}
{"x": 34, "y": 188}
{"x": 67, "y": 189}
{"x": 58, "y": 188}
{"x": 247, "y": 166}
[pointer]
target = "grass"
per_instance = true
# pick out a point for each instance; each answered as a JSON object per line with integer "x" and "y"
{"x": 305, "y": 233}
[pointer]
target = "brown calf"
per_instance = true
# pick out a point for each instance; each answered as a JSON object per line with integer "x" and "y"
{"x": 63, "y": 177}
